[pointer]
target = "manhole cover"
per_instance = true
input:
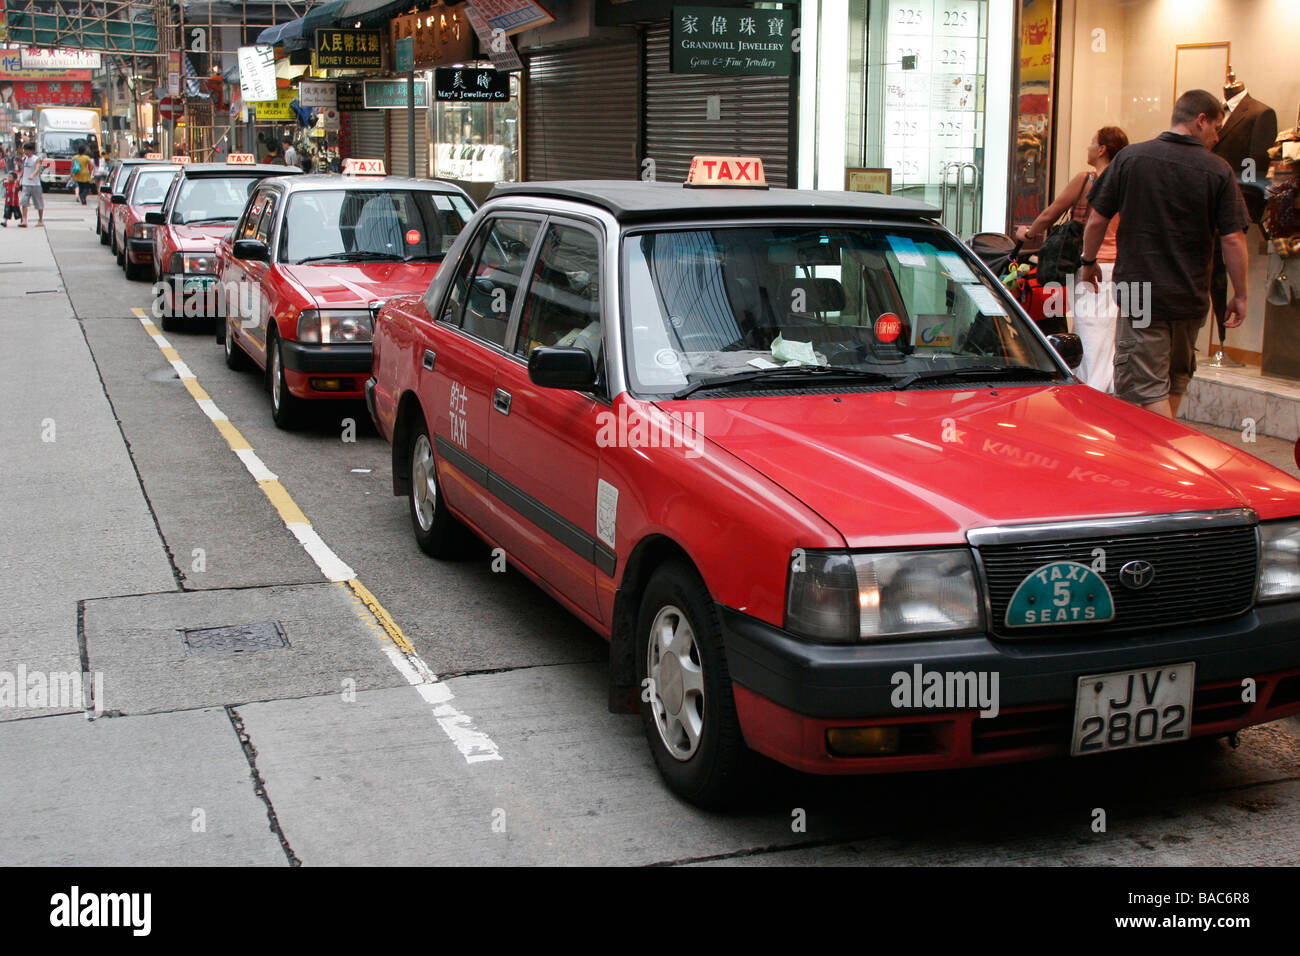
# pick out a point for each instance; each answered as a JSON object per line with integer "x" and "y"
{"x": 235, "y": 638}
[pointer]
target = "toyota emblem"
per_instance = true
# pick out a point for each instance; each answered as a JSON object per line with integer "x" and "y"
{"x": 1137, "y": 574}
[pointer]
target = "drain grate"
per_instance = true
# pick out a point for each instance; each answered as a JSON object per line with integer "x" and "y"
{"x": 235, "y": 638}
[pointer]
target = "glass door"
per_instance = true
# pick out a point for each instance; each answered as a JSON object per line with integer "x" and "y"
{"x": 926, "y": 68}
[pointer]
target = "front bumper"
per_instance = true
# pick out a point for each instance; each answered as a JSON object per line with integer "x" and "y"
{"x": 140, "y": 250}
{"x": 789, "y": 693}
{"x": 308, "y": 368}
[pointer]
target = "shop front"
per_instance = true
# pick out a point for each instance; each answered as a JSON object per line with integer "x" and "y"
{"x": 1124, "y": 62}
{"x": 912, "y": 98}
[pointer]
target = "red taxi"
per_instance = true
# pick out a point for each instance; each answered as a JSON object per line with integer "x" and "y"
{"x": 310, "y": 261}
{"x": 828, "y": 492}
{"x": 113, "y": 185}
{"x": 132, "y": 238}
{"x": 203, "y": 203}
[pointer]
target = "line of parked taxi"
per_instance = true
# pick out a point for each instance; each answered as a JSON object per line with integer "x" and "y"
{"x": 828, "y": 492}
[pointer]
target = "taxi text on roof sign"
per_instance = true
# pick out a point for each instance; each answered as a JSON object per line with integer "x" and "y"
{"x": 363, "y": 167}
{"x": 180, "y": 160}
{"x": 241, "y": 159}
{"x": 715, "y": 171}
{"x": 153, "y": 155}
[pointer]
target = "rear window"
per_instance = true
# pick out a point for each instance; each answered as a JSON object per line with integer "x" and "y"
{"x": 151, "y": 186}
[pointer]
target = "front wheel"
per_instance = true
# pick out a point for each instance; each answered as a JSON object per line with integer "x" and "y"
{"x": 437, "y": 532}
{"x": 236, "y": 358}
{"x": 687, "y": 707}
{"x": 286, "y": 408}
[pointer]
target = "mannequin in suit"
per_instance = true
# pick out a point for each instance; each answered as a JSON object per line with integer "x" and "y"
{"x": 1248, "y": 131}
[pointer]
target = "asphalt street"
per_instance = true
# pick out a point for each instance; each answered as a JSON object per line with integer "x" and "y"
{"x": 407, "y": 711}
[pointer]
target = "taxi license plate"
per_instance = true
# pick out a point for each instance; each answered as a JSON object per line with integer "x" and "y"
{"x": 198, "y": 285}
{"x": 1133, "y": 708}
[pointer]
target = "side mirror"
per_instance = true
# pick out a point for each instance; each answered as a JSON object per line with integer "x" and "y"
{"x": 155, "y": 218}
{"x": 118, "y": 199}
{"x": 571, "y": 368}
{"x": 255, "y": 250}
{"x": 1069, "y": 346}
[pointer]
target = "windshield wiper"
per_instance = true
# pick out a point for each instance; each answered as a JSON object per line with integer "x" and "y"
{"x": 353, "y": 257}
{"x": 978, "y": 371}
{"x": 816, "y": 373}
{"x": 208, "y": 222}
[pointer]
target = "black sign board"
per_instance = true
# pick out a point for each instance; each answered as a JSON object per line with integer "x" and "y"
{"x": 463, "y": 85}
{"x": 349, "y": 50}
{"x": 350, "y": 96}
{"x": 736, "y": 41}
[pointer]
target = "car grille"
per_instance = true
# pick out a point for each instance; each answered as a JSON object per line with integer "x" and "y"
{"x": 1199, "y": 575}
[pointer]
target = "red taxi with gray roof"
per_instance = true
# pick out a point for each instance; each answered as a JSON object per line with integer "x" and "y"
{"x": 826, "y": 489}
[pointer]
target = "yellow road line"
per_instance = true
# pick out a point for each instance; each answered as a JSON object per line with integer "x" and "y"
{"x": 385, "y": 619}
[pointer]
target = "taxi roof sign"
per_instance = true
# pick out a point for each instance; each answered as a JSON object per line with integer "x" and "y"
{"x": 153, "y": 155}
{"x": 731, "y": 171}
{"x": 363, "y": 167}
{"x": 241, "y": 159}
{"x": 180, "y": 160}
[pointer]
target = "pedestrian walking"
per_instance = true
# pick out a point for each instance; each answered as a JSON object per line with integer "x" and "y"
{"x": 1095, "y": 309}
{"x": 30, "y": 181}
{"x": 12, "y": 197}
{"x": 101, "y": 171}
{"x": 1173, "y": 196}
{"x": 82, "y": 170}
{"x": 290, "y": 154}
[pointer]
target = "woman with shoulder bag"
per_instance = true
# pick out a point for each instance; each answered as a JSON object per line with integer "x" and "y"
{"x": 1095, "y": 311}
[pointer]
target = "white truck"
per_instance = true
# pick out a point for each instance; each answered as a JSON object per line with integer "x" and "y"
{"x": 59, "y": 131}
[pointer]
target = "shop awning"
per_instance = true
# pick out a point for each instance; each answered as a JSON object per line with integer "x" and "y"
{"x": 298, "y": 34}
{"x": 370, "y": 10}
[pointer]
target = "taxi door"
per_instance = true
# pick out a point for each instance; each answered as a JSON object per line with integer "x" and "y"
{"x": 469, "y": 343}
{"x": 248, "y": 301}
{"x": 544, "y": 451}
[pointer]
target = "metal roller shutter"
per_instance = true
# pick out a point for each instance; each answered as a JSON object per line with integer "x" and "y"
{"x": 754, "y": 119}
{"x": 582, "y": 113}
{"x": 369, "y": 134}
{"x": 397, "y": 158}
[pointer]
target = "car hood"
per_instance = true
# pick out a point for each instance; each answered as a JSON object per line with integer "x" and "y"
{"x": 193, "y": 238}
{"x": 924, "y": 467}
{"x": 350, "y": 284}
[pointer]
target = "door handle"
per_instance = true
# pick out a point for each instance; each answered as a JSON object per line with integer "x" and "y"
{"x": 429, "y": 358}
{"x": 501, "y": 401}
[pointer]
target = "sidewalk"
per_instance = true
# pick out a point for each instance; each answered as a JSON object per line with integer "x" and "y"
{"x": 77, "y": 527}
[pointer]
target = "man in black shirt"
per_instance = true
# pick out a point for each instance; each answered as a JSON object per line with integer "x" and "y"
{"x": 1173, "y": 196}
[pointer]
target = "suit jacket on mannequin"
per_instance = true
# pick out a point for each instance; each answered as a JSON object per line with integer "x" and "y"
{"x": 1247, "y": 133}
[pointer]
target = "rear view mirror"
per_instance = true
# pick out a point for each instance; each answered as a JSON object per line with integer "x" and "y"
{"x": 118, "y": 199}
{"x": 253, "y": 250}
{"x": 571, "y": 368}
{"x": 1069, "y": 346}
{"x": 154, "y": 218}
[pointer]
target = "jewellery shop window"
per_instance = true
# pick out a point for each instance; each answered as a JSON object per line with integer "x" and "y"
{"x": 478, "y": 142}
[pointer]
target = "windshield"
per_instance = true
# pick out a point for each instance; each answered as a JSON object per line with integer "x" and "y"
{"x": 66, "y": 141}
{"x": 397, "y": 224}
{"x": 212, "y": 199}
{"x": 151, "y": 186}
{"x": 708, "y": 303}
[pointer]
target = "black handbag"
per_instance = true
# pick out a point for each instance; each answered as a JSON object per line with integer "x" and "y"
{"x": 1063, "y": 247}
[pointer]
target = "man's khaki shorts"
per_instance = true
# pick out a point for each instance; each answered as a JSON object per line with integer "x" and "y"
{"x": 1154, "y": 362}
{"x": 33, "y": 196}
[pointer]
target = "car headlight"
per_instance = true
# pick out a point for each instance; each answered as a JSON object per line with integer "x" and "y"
{"x": 837, "y": 597}
{"x": 196, "y": 263}
{"x": 1279, "y": 561}
{"x": 334, "y": 326}
{"x": 141, "y": 230}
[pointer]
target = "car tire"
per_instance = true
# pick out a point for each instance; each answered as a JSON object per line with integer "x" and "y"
{"x": 133, "y": 270}
{"x": 236, "y": 358}
{"x": 286, "y": 408}
{"x": 118, "y": 251}
{"x": 687, "y": 707}
{"x": 437, "y": 531}
{"x": 99, "y": 229}
{"x": 103, "y": 233}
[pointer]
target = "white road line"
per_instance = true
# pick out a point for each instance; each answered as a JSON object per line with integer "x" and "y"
{"x": 474, "y": 745}
{"x": 210, "y": 409}
{"x": 330, "y": 564}
{"x": 255, "y": 465}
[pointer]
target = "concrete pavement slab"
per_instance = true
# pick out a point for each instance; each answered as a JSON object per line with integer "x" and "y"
{"x": 138, "y": 645}
{"x": 165, "y": 790}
